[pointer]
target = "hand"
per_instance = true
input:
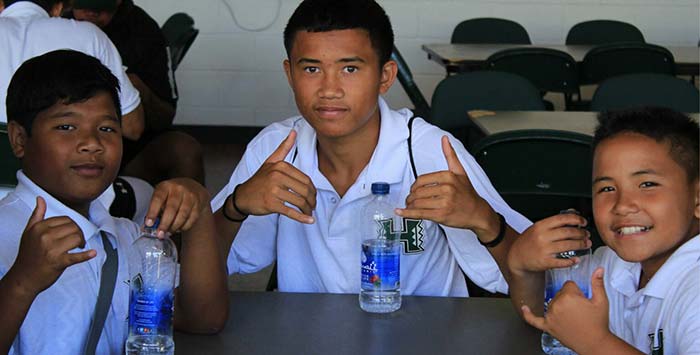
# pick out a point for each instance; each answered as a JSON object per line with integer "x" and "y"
{"x": 179, "y": 203}
{"x": 43, "y": 251}
{"x": 574, "y": 320}
{"x": 536, "y": 249}
{"x": 276, "y": 183}
{"x": 446, "y": 197}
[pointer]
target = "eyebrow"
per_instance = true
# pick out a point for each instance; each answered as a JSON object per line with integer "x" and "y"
{"x": 341, "y": 60}
{"x": 636, "y": 173}
{"x": 69, "y": 113}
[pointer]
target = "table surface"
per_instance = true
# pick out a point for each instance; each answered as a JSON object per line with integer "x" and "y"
{"x": 687, "y": 58}
{"x": 575, "y": 121}
{"x": 297, "y": 323}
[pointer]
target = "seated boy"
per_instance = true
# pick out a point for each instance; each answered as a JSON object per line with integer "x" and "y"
{"x": 64, "y": 125}
{"x": 646, "y": 204}
{"x": 302, "y": 182}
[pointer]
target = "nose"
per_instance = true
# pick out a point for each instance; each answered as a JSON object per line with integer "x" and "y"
{"x": 331, "y": 87}
{"x": 625, "y": 203}
{"x": 90, "y": 142}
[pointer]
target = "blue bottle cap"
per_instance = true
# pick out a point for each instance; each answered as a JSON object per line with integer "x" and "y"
{"x": 380, "y": 188}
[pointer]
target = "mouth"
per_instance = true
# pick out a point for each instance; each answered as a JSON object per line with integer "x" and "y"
{"x": 330, "y": 112}
{"x": 632, "y": 230}
{"x": 88, "y": 170}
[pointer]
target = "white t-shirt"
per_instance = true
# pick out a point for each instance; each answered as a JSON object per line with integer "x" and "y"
{"x": 667, "y": 308}
{"x": 58, "y": 321}
{"x": 27, "y": 31}
{"x": 325, "y": 256}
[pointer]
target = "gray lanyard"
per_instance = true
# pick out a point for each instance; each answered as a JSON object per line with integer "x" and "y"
{"x": 104, "y": 297}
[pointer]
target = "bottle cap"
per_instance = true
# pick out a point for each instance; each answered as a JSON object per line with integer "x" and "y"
{"x": 380, "y": 188}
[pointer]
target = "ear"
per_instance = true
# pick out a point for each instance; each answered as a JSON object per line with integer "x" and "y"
{"x": 696, "y": 184}
{"x": 288, "y": 71}
{"x": 18, "y": 138}
{"x": 56, "y": 9}
{"x": 389, "y": 70}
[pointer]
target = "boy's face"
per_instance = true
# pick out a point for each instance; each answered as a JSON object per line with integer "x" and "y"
{"x": 74, "y": 151}
{"x": 336, "y": 79}
{"x": 643, "y": 204}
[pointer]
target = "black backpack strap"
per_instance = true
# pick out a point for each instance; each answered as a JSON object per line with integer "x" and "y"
{"x": 410, "y": 146}
{"x": 124, "y": 204}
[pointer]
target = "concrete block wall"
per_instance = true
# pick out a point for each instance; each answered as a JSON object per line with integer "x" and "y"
{"x": 233, "y": 74}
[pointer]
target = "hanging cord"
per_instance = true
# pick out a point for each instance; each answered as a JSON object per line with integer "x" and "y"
{"x": 249, "y": 29}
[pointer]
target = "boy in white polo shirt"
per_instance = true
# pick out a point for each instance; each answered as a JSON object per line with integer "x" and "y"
{"x": 302, "y": 182}
{"x": 64, "y": 125}
{"x": 646, "y": 204}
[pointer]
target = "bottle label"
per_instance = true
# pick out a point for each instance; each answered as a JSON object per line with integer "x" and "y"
{"x": 380, "y": 265}
{"x": 150, "y": 309}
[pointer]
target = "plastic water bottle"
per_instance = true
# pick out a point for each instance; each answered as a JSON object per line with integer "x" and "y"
{"x": 380, "y": 290}
{"x": 554, "y": 281}
{"x": 153, "y": 267}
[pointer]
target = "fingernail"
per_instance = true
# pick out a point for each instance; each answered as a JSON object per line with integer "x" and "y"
{"x": 161, "y": 234}
{"x": 149, "y": 222}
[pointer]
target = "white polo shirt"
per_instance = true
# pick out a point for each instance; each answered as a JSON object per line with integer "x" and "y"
{"x": 325, "y": 256}
{"x": 27, "y": 31}
{"x": 664, "y": 316}
{"x": 59, "y": 319}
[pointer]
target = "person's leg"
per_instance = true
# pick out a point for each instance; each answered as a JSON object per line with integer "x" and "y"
{"x": 168, "y": 155}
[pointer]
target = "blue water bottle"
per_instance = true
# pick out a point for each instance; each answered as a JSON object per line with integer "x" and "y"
{"x": 153, "y": 269}
{"x": 380, "y": 290}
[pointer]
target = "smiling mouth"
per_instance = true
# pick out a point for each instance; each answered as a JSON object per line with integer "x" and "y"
{"x": 624, "y": 231}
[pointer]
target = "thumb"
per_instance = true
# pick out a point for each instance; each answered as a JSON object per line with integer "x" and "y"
{"x": 598, "y": 287}
{"x": 38, "y": 213}
{"x": 453, "y": 163}
{"x": 283, "y": 149}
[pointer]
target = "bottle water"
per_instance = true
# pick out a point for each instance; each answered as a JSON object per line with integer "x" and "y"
{"x": 153, "y": 267}
{"x": 554, "y": 280}
{"x": 380, "y": 290}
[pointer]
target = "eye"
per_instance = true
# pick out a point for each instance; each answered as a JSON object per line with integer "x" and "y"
{"x": 351, "y": 69}
{"x": 648, "y": 184}
{"x": 606, "y": 189}
{"x": 311, "y": 70}
{"x": 108, "y": 129}
{"x": 65, "y": 127}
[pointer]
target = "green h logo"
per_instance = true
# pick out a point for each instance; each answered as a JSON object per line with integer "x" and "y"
{"x": 410, "y": 235}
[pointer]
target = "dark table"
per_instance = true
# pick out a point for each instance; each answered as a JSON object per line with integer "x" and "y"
{"x": 296, "y": 323}
{"x": 465, "y": 57}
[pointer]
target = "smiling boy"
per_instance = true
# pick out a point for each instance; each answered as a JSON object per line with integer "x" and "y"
{"x": 646, "y": 204}
{"x": 302, "y": 182}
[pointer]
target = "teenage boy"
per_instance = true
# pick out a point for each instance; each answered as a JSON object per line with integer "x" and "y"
{"x": 646, "y": 204}
{"x": 302, "y": 182}
{"x": 65, "y": 127}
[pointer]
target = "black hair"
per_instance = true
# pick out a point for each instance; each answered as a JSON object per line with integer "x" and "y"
{"x": 44, "y": 4}
{"x": 331, "y": 15}
{"x": 661, "y": 124}
{"x": 63, "y": 76}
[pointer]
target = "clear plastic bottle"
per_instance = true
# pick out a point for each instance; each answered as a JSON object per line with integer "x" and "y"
{"x": 380, "y": 290}
{"x": 153, "y": 268}
{"x": 554, "y": 281}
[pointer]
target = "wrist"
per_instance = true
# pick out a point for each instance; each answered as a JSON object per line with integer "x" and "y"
{"x": 492, "y": 226}
{"x": 18, "y": 286}
{"x": 231, "y": 211}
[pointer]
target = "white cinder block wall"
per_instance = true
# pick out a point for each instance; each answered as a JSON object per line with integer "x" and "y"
{"x": 233, "y": 74}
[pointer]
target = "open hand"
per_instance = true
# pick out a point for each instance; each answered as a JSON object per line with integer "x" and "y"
{"x": 276, "y": 183}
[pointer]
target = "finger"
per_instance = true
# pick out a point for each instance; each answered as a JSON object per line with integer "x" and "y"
{"x": 296, "y": 215}
{"x": 598, "y": 287}
{"x": 160, "y": 195}
{"x": 69, "y": 242}
{"x": 568, "y": 244}
{"x": 431, "y": 191}
{"x": 186, "y": 208}
{"x": 416, "y": 213}
{"x": 571, "y": 288}
{"x": 191, "y": 220}
{"x": 69, "y": 259}
{"x": 283, "y": 149}
{"x": 38, "y": 213}
{"x": 296, "y": 200}
{"x": 533, "y": 320}
{"x": 563, "y": 220}
{"x": 170, "y": 211}
{"x": 300, "y": 186}
{"x": 453, "y": 163}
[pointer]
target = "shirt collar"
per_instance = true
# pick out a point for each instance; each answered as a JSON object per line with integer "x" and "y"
{"x": 680, "y": 260}
{"x": 100, "y": 219}
{"x": 393, "y": 133}
{"x": 24, "y": 9}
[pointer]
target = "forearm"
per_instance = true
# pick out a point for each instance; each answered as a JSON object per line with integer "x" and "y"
{"x": 489, "y": 232}
{"x": 15, "y": 302}
{"x": 227, "y": 229}
{"x": 202, "y": 298}
{"x": 160, "y": 113}
{"x": 133, "y": 123}
{"x": 527, "y": 289}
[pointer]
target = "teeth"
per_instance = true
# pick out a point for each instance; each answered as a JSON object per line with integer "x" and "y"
{"x": 632, "y": 230}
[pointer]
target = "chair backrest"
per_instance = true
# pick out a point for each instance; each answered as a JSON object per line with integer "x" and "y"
{"x": 179, "y": 31}
{"x": 455, "y": 95}
{"x": 598, "y": 32}
{"x": 548, "y": 69}
{"x": 490, "y": 30}
{"x": 636, "y": 90}
{"x": 421, "y": 107}
{"x": 9, "y": 163}
{"x": 609, "y": 60}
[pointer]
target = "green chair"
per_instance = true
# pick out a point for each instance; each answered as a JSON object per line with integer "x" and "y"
{"x": 421, "y": 107}
{"x": 490, "y": 30}
{"x": 609, "y": 60}
{"x": 10, "y": 163}
{"x": 636, "y": 90}
{"x": 180, "y": 33}
{"x": 599, "y": 32}
{"x": 540, "y": 172}
{"x": 550, "y": 70}
{"x": 455, "y": 95}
